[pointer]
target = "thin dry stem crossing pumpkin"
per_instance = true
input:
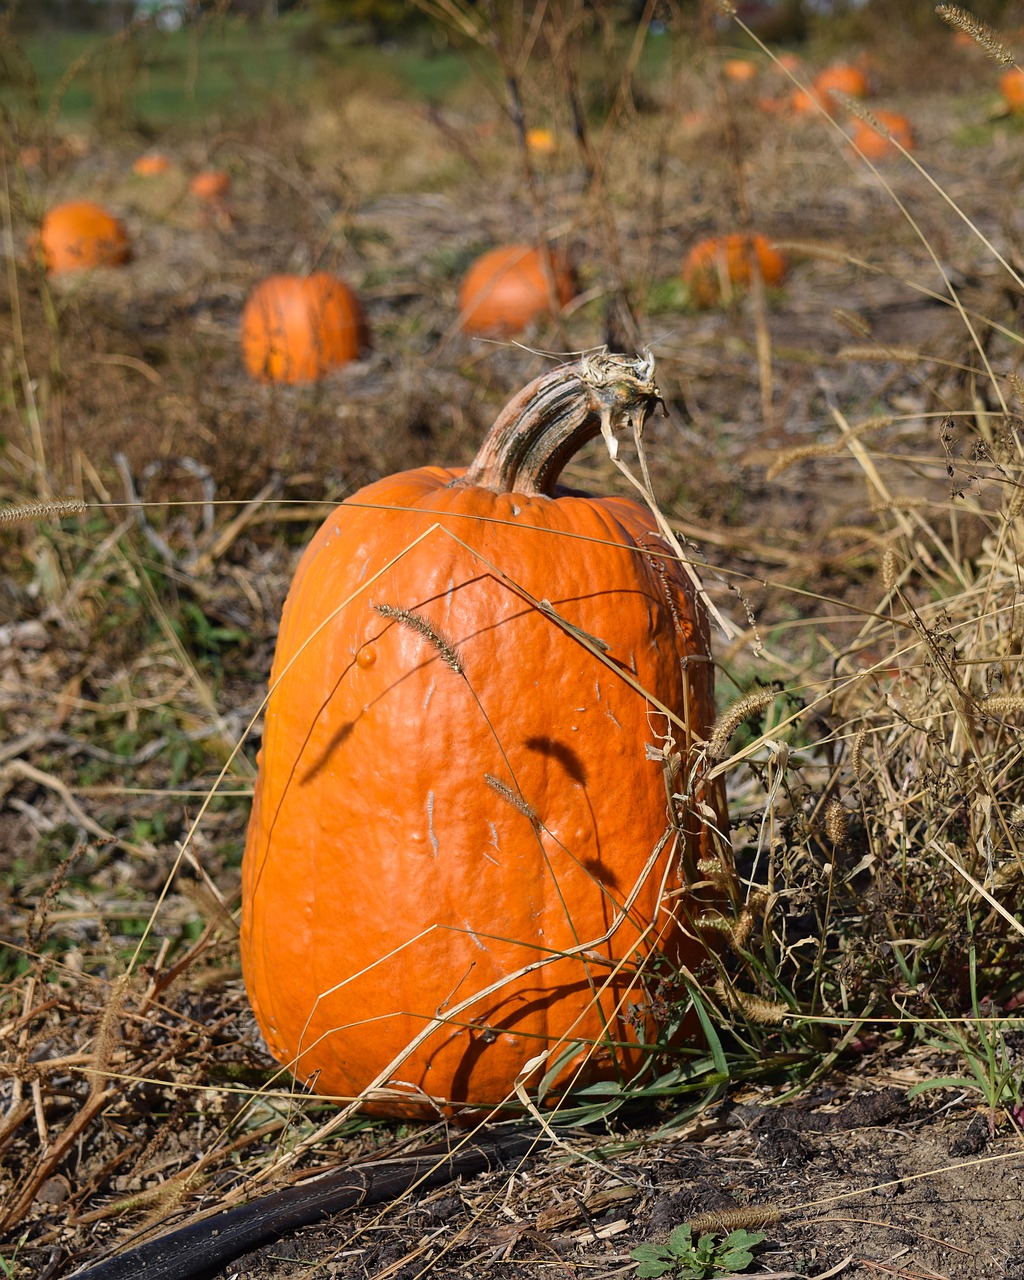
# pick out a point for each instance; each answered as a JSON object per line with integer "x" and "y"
{"x": 463, "y": 857}
{"x": 881, "y": 144}
{"x": 715, "y": 268}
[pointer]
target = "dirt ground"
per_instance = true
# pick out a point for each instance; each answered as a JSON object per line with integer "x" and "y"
{"x": 146, "y": 397}
{"x": 865, "y": 1183}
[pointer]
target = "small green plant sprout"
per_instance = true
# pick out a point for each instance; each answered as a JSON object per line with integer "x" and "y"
{"x": 707, "y": 1256}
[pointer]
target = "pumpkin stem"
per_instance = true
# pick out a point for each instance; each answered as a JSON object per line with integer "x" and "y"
{"x": 541, "y": 428}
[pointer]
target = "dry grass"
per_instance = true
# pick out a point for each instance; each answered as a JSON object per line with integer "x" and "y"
{"x": 856, "y": 510}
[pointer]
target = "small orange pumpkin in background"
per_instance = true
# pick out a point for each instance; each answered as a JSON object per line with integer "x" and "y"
{"x": 842, "y": 78}
{"x": 151, "y": 164}
{"x": 541, "y": 142}
{"x": 803, "y": 102}
{"x": 715, "y": 267}
{"x": 210, "y": 184}
{"x": 1011, "y": 86}
{"x": 297, "y": 328}
{"x": 81, "y": 234}
{"x": 739, "y": 70}
{"x": 879, "y": 145}
{"x": 506, "y": 289}
{"x": 459, "y": 868}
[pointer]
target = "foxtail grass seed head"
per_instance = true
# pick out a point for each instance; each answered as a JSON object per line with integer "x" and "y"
{"x": 513, "y": 797}
{"x": 850, "y": 320}
{"x": 857, "y": 752}
{"x": 1006, "y": 704}
{"x": 890, "y": 569}
{"x": 725, "y": 7}
{"x": 24, "y": 512}
{"x": 837, "y": 823}
{"x": 979, "y": 32}
{"x": 800, "y": 453}
{"x": 730, "y": 1219}
{"x": 732, "y": 717}
{"x": 416, "y": 622}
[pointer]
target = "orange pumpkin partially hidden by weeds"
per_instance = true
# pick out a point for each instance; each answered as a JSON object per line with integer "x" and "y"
{"x": 460, "y": 870}
{"x": 210, "y": 184}
{"x": 717, "y": 267}
{"x": 847, "y": 80}
{"x": 878, "y": 144}
{"x": 739, "y": 70}
{"x": 79, "y": 235}
{"x": 508, "y": 288}
{"x": 1011, "y": 86}
{"x": 297, "y": 328}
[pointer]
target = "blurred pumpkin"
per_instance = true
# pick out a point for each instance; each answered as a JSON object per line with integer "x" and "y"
{"x": 442, "y": 884}
{"x": 739, "y": 70}
{"x": 804, "y": 101}
{"x": 81, "y": 234}
{"x": 879, "y": 144}
{"x": 1011, "y": 86}
{"x": 506, "y": 289}
{"x": 842, "y": 78}
{"x": 541, "y": 142}
{"x": 210, "y": 184}
{"x": 714, "y": 268}
{"x": 151, "y": 164}
{"x": 297, "y": 328}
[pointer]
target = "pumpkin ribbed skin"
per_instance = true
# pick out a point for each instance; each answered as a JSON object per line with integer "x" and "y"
{"x": 728, "y": 258}
{"x": 421, "y": 833}
{"x": 79, "y": 235}
{"x": 297, "y": 328}
{"x": 506, "y": 289}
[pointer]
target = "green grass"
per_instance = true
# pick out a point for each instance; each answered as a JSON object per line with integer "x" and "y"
{"x": 222, "y": 69}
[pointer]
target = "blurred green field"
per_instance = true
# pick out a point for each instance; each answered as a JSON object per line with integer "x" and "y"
{"x": 221, "y": 68}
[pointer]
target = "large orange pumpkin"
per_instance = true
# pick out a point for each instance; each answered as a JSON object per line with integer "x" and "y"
{"x": 507, "y": 288}
{"x": 714, "y": 268}
{"x": 880, "y": 144}
{"x": 462, "y": 856}
{"x": 81, "y": 234}
{"x": 297, "y": 328}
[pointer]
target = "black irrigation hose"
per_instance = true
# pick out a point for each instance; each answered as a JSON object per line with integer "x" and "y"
{"x": 198, "y": 1248}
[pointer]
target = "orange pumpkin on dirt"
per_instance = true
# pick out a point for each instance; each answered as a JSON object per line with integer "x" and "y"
{"x": 508, "y": 288}
{"x": 844, "y": 79}
{"x": 297, "y": 328}
{"x": 880, "y": 144}
{"x": 151, "y": 165}
{"x": 1011, "y": 86}
{"x": 81, "y": 234}
{"x": 210, "y": 184}
{"x": 715, "y": 268}
{"x": 460, "y": 868}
